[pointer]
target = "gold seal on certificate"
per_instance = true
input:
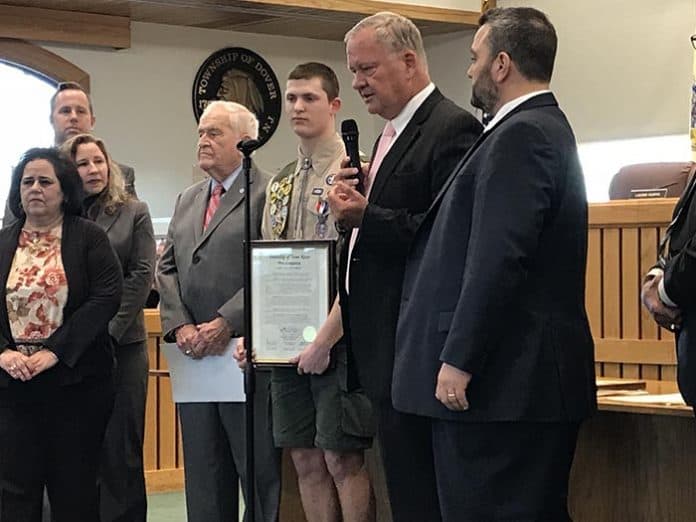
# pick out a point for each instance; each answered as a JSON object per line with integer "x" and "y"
{"x": 291, "y": 292}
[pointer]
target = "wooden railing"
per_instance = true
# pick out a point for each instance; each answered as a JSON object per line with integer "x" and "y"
{"x": 623, "y": 240}
{"x": 622, "y": 247}
{"x": 163, "y": 455}
{"x": 164, "y": 462}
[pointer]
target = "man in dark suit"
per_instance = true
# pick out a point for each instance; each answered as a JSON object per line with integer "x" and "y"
{"x": 201, "y": 282}
{"x": 424, "y": 138}
{"x": 72, "y": 113}
{"x": 669, "y": 289}
{"x": 493, "y": 343}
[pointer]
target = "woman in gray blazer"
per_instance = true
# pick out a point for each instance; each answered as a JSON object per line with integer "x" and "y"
{"x": 129, "y": 227}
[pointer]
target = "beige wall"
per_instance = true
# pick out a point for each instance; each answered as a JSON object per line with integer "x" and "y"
{"x": 624, "y": 66}
{"x": 142, "y": 99}
{"x": 142, "y": 96}
{"x": 623, "y": 70}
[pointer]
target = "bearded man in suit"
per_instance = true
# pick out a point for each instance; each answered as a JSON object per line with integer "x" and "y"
{"x": 493, "y": 345}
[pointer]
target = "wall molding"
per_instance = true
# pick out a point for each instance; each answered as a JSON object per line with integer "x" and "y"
{"x": 45, "y": 63}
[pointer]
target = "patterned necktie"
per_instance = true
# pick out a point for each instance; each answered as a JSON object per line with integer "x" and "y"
{"x": 385, "y": 142}
{"x": 213, "y": 204}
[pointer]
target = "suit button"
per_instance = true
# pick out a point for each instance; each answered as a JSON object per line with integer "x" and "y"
{"x": 355, "y": 260}
{"x": 196, "y": 259}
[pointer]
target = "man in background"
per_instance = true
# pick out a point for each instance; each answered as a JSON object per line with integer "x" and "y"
{"x": 72, "y": 113}
{"x": 668, "y": 291}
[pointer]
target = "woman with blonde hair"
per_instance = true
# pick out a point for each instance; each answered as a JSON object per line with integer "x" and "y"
{"x": 128, "y": 225}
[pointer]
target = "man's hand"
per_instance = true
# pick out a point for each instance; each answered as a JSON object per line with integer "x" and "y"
{"x": 42, "y": 361}
{"x": 186, "y": 338}
{"x": 313, "y": 359}
{"x": 17, "y": 365}
{"x": 348, "y": 174}
{"x": 451, "y": 387}
{"x": 213, "y": 337}
{"x": 240, "y": 354}
{"x": 666, "y": 316}
{"x": 347, "y": 204}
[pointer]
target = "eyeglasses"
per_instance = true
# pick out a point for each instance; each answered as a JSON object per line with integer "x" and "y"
{"x": 693, "y": 41}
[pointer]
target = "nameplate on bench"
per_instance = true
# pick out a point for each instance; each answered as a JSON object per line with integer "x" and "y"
{"x": 648, "y": 193}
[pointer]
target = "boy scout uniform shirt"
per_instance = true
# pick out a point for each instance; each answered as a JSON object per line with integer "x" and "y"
{"x": 297, "y": 204}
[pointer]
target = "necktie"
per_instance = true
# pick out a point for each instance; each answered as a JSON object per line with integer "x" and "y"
{"x": 213, "y": 204}
{"x": 383, "y": 146}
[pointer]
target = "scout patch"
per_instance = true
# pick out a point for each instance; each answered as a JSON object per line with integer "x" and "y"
{"x": 279, "y": 198}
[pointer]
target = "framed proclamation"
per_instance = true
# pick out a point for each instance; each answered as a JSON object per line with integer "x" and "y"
{"x": 292, "y": 290}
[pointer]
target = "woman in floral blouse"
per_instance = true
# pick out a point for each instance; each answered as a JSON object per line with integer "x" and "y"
{"x": 127, "y": 223}
{"x": 61, "y": 284}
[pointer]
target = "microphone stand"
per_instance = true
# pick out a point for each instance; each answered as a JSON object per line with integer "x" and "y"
{"x": 247, "y": 147}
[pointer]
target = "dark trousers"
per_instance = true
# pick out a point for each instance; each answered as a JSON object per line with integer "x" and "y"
{"x": 52, "y": 438}
{"x": 215, "y": 458}
{"x": 121, "y": 476}
{"x": 503, "y": 471}
{"x": 405, "y": 443}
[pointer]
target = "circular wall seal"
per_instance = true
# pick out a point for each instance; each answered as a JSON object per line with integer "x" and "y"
{"x": 242, "y": 76}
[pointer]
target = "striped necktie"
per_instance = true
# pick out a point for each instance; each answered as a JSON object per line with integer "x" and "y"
{"x": 213, "y": 204}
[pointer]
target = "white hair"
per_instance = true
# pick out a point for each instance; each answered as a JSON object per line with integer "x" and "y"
{"x": 396, "y": 32}
{"x": 241, "y": 119}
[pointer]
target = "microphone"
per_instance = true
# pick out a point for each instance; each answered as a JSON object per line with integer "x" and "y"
{"x": 349, "y": 132}
{"x": 248, "y": 146}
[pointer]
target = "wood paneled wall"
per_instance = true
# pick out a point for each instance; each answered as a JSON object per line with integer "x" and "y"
{"x": 622, "y": 247}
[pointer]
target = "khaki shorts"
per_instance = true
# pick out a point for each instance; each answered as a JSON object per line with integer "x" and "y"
{"x": 315, "y": 411}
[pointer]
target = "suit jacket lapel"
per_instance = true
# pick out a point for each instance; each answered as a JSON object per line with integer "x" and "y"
{"x": 459, "y": 166}
{"x": 403, "y": 143}
{"x": 685, "y": 198}
{"x": 106, "y": 221}
{"x": 533, "y": 103}
{"x": 200, "y": 203}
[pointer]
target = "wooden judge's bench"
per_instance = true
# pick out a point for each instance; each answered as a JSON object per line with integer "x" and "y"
{"x": 636, "y": 461}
